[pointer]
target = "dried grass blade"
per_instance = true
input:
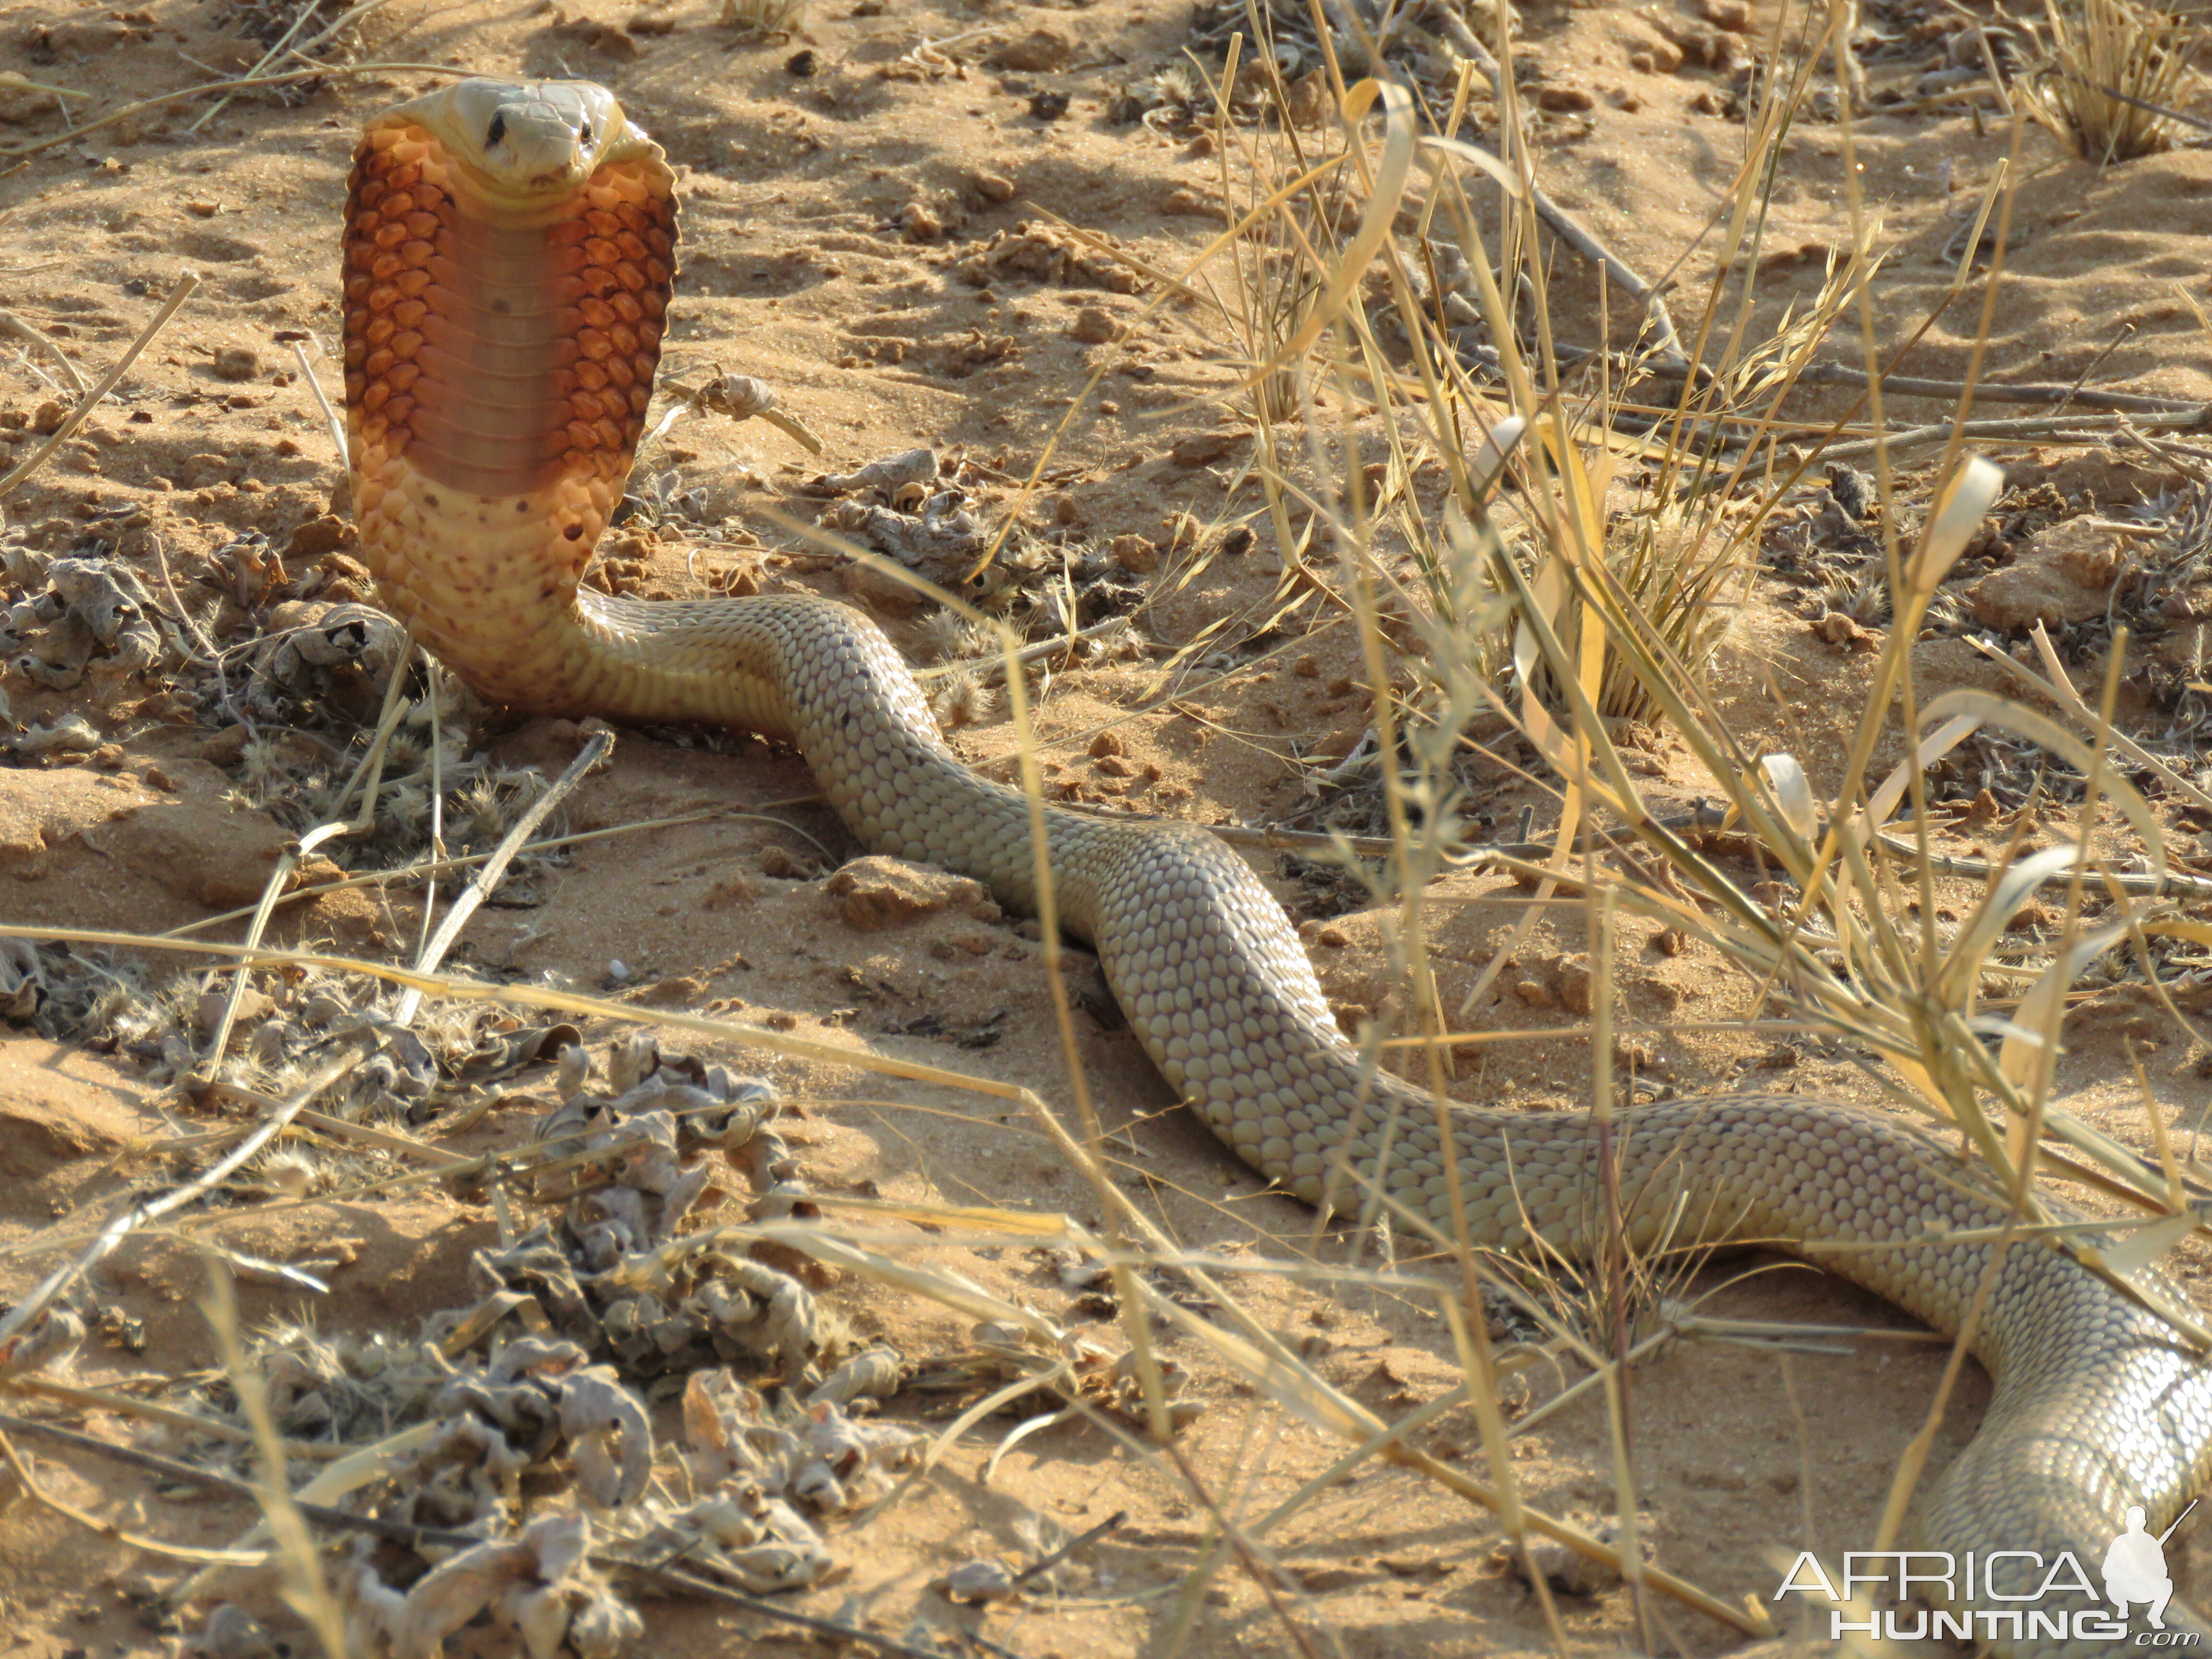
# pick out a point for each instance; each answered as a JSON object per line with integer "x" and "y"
{"x": 487, "y": 878}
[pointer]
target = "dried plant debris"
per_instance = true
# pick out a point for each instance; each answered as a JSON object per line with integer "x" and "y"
{"x": 538, "y": 1584}
{"x": 940, "y": 539}
{"x": 309, "y": 641}
{"x": 905, "y": 477}
{"x": 618, "y": 1275}
{"x": 231, "y": 1632}
{"x": 1429, "y": 42}
{"x": 72, "y": 617}
{"x": 1043, "y": 252}
{"x": 47, "y": 1343}
{"x": 2115, "y": 68}
{"x": 104, "y": 630}
{"x": 922, "y": 512}
{"x": 1567, "y": 1570}
{"x": 446, "y": 1061}
{"x": 336, "y": 32}
{"x": 523, "y": 1450}
{"x": 1083, "y": 1374}
{"x": 547, "y": 1386}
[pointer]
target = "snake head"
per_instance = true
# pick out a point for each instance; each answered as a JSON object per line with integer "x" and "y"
{"x": 518, "y": 140}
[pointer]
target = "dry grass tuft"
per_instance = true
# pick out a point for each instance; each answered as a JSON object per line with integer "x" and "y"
{"x": 2115, "y": 68}
{"x": 762, "y": 16}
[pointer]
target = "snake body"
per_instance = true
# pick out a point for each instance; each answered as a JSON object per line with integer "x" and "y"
{"x": 509, "y": 258}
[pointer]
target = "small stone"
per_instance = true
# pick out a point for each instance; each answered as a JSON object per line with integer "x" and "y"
{"x": 1095, "y": 326}
{"x": 1734, "y": 15}
{"x": 1534, "y": 992}
{"x": 1837, "y": 629}
{"x": 920, "y": 223}
{"x": 1562, "y": 100}
{"x": 994, "y": 187}
{"x": 1201, "y": 447}
{"x": 1670, "y": 941}
{"x": 236, "y": 362}
{"x": 979, "y": 1581}
{"x": 1112, "y": 767}
{"x": 1039, "y": 49}
{"x": 1318, "y": 1581}
{"x": 1575, "y": 985}
{"x": 1136, "y": 554}
{"x": 1700, "y": 44}
{"x": 316, "y": 871}
{"x": 20, "y": 106}
{"x": 727, "y": 894}
{"x": 1335, "y": 938}
{"x": 319, "y": 536}
{"x": 1185, "y": 202}
{"x": 2059, "y": 576}
{"x": 883, "y": 892}
{"x": 779, "y": 863}
{"x": 47, "y": 418}
{"x": 1418, "y": 1566}
{"x": 1107, "y": 742}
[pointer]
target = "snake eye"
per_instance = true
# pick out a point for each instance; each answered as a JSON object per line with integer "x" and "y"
{"x": 586, "y": 134}
{"x": 497, "y": 131}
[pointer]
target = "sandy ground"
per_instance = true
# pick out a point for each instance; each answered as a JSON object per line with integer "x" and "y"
{"x": 836, "y": 182}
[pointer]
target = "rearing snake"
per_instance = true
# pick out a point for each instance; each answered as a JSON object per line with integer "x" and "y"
{"x": 509, "y": 256}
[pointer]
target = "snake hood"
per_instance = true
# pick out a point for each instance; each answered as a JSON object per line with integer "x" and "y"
{"x": 516, "y": 142}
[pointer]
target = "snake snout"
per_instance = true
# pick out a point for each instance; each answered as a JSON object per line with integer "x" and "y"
{"x": 531, "y": 137}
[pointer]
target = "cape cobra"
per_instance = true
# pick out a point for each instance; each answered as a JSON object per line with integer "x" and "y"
{"x": 509, "y": 258}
